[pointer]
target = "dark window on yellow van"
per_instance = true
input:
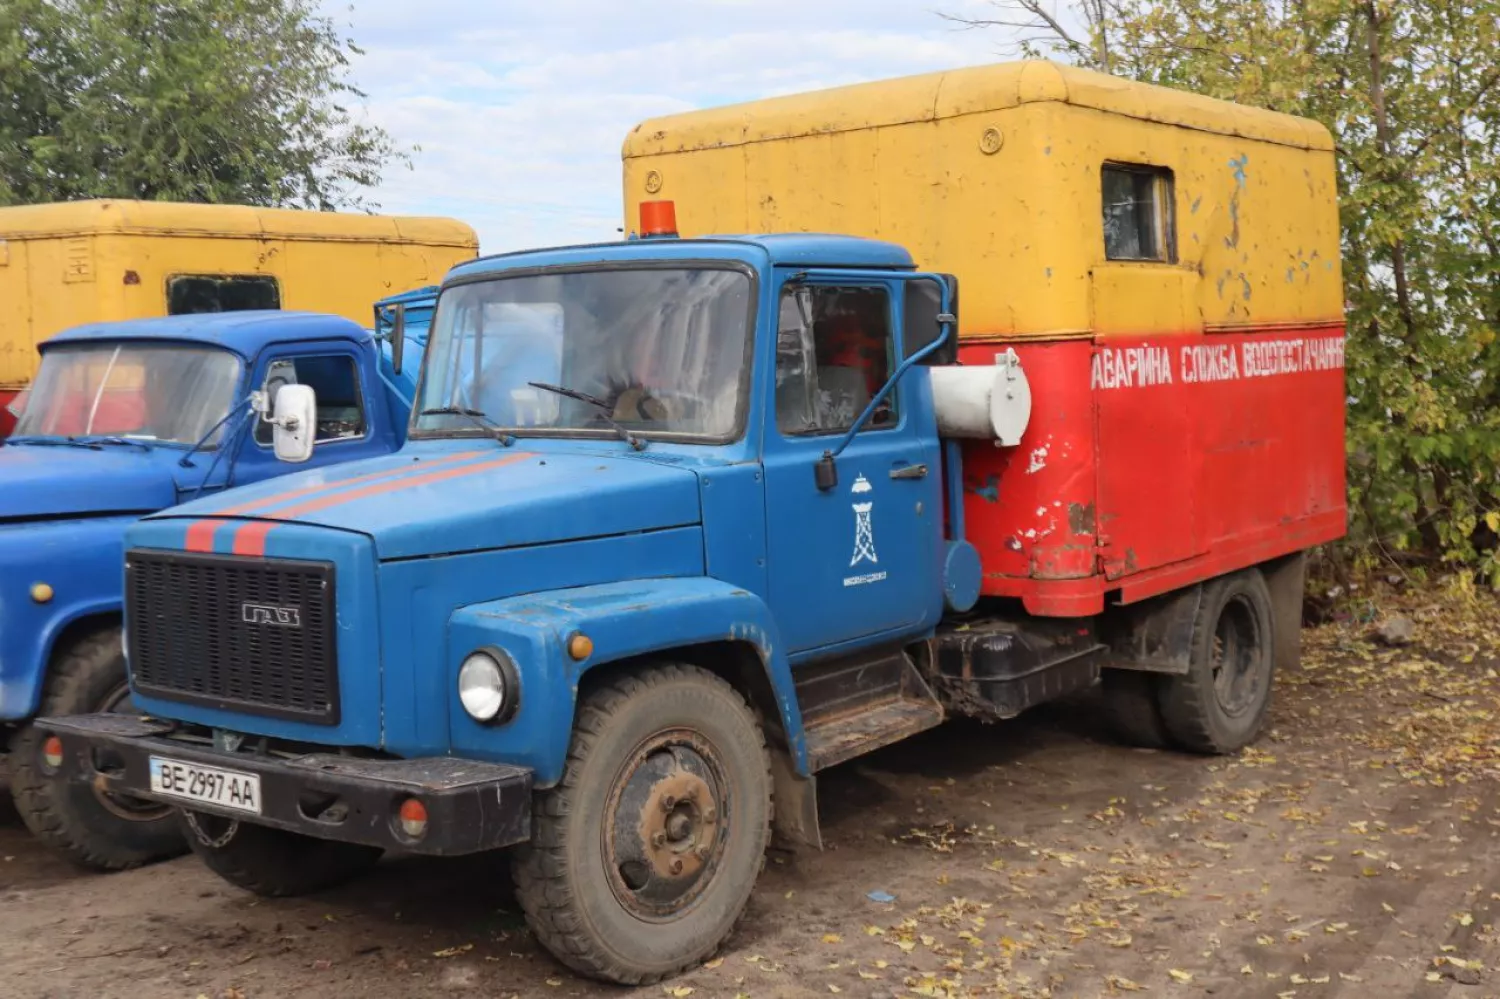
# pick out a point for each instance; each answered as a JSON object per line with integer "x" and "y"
{"x": 1138, "y": 213}
{"x": 192, "y": 293}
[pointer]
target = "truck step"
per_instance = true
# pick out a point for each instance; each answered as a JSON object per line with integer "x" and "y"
{"x": 843, "y": 737}
{"x": 860, "y": 702}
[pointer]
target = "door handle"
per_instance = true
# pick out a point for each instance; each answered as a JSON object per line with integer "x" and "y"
{"x": 909, "y": 472}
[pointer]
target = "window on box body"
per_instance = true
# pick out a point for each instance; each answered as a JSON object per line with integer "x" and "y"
{"x": 196, "y": 293}
{"x": 1138, "y": 221}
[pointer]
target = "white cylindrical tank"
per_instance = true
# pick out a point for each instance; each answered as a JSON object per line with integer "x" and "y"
{"x": 983, "y": 402}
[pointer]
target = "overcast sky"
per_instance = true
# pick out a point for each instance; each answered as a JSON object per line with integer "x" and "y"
{"x": 520, "y": 108}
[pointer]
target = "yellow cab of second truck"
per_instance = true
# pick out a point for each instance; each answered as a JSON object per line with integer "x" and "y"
{"x": 75, "y": 262}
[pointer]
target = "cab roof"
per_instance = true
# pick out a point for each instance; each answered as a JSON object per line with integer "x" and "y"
{"x": 789, "y": 249}
{"x": 245, "y": 333}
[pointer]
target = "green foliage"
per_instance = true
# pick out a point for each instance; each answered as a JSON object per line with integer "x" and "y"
{"x": 235, "y": 101}
{"x": 1411, "y": 92}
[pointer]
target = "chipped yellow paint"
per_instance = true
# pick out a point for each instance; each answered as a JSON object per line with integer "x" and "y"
{"x": 993, "y": 173}
{"x": 88, "y": 261}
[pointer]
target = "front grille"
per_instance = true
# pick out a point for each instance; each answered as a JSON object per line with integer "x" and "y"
{"x": 254, "y": 635}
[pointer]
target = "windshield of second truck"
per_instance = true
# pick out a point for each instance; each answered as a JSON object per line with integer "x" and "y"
{"x": 653, "y": 352}
{"x": 140, "y": 392}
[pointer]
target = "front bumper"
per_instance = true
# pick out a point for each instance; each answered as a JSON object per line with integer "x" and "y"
{"x": 471, "y": 806}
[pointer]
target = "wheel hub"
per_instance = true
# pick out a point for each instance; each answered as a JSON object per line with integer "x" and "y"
{"x": 1237, "y": 651}
{"x": 662, "y": 840}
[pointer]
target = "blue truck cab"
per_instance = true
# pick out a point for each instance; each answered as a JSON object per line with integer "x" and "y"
{"x": 677, "y": 525}
{"x": 125, "y": 419}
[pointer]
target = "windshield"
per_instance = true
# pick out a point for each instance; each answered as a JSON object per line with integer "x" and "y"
{"x": 140, "y": 391}
{"x": 663, "y": 350}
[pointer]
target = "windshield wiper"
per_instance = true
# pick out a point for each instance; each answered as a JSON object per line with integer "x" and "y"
{"x": 599, "y": 404}
{"x": 476, "y": 417}
{"x": 54, "y": 442}
{"x": 121, "y": 441}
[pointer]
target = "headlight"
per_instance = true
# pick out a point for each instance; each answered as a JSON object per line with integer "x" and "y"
{"x": 487, "y": 685}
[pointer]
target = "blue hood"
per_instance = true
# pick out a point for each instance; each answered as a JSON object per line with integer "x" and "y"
{"x": 39, "y": 481}
{"x": 462, "y": 500}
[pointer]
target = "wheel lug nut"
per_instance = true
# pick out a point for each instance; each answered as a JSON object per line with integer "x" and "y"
{"x": 658, "y": 838}
{"x": 702, "y": 852}
{"x": 711, "y": 815}
{"x": 668, "y": 803}
{"x": 676, "y": 867}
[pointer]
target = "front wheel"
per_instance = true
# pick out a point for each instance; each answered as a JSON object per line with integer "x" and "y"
{"x": 273, "y": 862}
{"x": 95, "y": 829}
{"x": 643, "y": 857}
{"x": 1220, "y": 704}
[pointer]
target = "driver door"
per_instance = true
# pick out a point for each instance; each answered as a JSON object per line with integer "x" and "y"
{"x": 857, "y": 561}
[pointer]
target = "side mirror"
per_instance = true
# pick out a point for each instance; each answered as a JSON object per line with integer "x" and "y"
{"x": 295, "y": 423}
{"x": 398, "y": 337}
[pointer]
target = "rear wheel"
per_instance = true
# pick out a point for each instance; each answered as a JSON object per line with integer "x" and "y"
{"x": 93, "y": 828}
{"x": 274, "y": 862}
{"x": 643, "y": 857}
{"x": 1220, "y": 704}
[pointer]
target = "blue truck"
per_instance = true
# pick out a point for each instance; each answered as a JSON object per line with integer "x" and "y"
{"x": 678, "y": 524}
{"x": 125, "y": 419}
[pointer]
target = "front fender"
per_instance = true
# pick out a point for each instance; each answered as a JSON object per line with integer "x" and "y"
{"x": 82, "y": 560}
{"x": 624, "y": 620}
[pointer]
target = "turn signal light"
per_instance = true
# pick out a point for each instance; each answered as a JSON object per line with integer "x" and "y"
{"x": 413, "y": 817}
{"x": 52, "y": 752}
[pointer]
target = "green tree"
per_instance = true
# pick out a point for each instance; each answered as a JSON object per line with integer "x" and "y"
{"x": 1411, "y": 93}
{"x": 242, "y": 101}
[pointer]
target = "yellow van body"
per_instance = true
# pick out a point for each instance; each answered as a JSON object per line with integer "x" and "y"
{"x": 86, "y": 261}
{"x": 992, "y": 173}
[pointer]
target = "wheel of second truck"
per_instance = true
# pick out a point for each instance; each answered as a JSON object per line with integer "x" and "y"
{"x": 1221, "y": 702}
{"x": 643, "y": 857}
{"x": 1130, "y": 702}
{"x": 274, "y": 862}
{"x": 93, "y": 828}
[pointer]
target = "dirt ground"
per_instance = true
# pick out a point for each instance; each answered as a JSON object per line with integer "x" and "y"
{"x": 1352, "y": 853}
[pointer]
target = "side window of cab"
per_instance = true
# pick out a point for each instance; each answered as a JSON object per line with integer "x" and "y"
{"x": 335, "y": 379}
{"x": 835, "y": 349}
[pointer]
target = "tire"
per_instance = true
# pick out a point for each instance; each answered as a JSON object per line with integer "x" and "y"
{"x": 273, "y": 862}
{"x": 1130, "y": 701}
{"x": 1220, "y": 704}
{"x": 672, "y": 762}
{"x": 95, "y": 831}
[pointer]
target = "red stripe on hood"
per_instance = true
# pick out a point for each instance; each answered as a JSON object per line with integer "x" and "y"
{"x": 250, "y": 539}
{"x": 200, "y": 533}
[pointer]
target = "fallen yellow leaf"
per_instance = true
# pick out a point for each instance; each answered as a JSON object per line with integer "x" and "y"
{"x": 1181, "y": 976}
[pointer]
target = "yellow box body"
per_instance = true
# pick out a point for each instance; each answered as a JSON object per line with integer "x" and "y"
{"x": 993, "y": 174}
{"x": 86, "y": 261}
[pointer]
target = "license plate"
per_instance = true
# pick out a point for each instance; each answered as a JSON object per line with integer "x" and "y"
{"x": 193, "y": 782}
